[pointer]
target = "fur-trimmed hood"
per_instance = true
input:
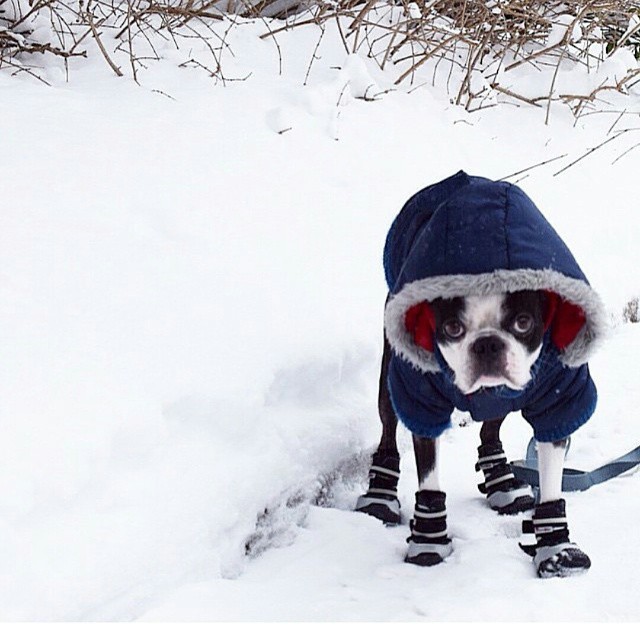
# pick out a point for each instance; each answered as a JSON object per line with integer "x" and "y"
{"x": 470, "y": 235}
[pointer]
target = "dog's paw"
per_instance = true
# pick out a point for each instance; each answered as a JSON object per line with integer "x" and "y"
{"x": 427, "y": 554}
{"x": 561, "y": 561}
{"x": 386, "y": 510}
{"x": 429, "y": 543}
{"x": 512, "y": 502}
{"x": 554, "y": 555}
{"x": 381, "y": 499}
{"x": 505, "y": 494}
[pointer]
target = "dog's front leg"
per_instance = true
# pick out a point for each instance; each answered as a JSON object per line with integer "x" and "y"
{"x": 429, "y": 543}
{"x": 555, "y": 555}
{"x": 381, "y": 499}
{"x": 550, "y": 466}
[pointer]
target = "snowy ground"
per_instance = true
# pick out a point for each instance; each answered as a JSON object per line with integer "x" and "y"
{"x": 190, "y": 311}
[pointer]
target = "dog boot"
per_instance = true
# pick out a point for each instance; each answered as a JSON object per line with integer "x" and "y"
{"x": 505, "y": 494}
{"x": 429, "y": 543}
{"x": 381, "y": 499}
{"x": 553, "y": 554}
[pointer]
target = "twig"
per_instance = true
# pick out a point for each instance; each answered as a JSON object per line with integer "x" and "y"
{"x": 313, "y": 55}
{"x": 532, "y": 101}
{"x": 534, "y": 166}
{"x": 96, "y": 36}
{"x": 162, "y": 93}
{"x": 625, "y": 153}
{"x": 132, "y": 59}
{"x": 422, "y": 60}
{"x": 553, "y": 83}
{"x": 588, "y": 153}
{"x": 616, "y": 121}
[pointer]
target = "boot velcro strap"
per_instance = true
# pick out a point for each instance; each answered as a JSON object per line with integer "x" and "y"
{"x": 548, "y": 521}
{"x": 417, "y": 535}
{"x": 494, "y": 481}
{"x": 487, "y": 462}
{"x": 429, "y": 522}
{"x": 386, "y": 492}
{"x": 544, "y": 525}
{"x": 489, "y": 486}
{"x": 376, "y": 470}
{"x": 383, "y": 479}
{"x": 419, "y": 513}
{"x": 550, "y": 530}
{"x": 527, "y": 526}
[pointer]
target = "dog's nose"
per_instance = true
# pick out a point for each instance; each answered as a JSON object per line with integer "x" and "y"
{"x": 488, "y": 347}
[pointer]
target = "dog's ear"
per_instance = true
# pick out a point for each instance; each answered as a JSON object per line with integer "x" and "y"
{"x": 420, "y": 322}
{"x": 563, "y": 318}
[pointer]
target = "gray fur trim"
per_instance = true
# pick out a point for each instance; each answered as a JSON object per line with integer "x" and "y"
{"x": 575, "y": 291}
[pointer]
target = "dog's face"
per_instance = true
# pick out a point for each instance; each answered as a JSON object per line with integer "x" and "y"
{"x": 490, "y": 340}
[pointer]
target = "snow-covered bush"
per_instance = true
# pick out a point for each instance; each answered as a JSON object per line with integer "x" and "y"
{"x": 486, "y": 51}
{"x": 31, "y": 29}
{"x": 481, "y": 51}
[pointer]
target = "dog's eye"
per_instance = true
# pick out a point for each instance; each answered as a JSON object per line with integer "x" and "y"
{"x": 523, "y": 323}
{"x": 453, "y": 329}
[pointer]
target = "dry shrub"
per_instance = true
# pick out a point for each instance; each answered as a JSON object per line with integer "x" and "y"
{"x": 63, "y": 29}
{"x": 631, "y": 311}
{"x": 475, "y": 48}
{"x": 471, "y": 47}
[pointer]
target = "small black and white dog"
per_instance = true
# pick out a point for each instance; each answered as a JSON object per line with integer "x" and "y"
{"x": 488, "y": 313}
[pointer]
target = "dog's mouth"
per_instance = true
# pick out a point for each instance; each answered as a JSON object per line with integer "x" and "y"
{"x": 486, "y": 380}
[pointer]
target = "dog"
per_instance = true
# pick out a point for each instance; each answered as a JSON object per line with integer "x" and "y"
{"x": 487, "y": 312}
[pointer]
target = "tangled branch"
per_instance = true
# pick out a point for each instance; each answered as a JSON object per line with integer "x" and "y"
{"x": 478, "y": 50}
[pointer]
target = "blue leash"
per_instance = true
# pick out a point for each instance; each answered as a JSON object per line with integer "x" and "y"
{"x": 574, "y": 479}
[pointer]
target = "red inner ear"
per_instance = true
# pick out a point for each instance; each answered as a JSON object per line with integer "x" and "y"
{"x": 564, "y": 318}
{"x": 419, "y": 321}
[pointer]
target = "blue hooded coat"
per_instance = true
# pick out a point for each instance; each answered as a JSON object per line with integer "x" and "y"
{"x": 473, "y": 236}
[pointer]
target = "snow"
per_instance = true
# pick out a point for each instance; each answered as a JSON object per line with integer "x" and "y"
{"x": 191, "y": 304}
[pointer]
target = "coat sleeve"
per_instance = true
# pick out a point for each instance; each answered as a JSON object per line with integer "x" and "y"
{"x": 563, "y": 402}
{"x": 418, "y": 400}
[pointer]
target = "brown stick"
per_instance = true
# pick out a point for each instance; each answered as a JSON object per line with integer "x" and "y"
{"x": 96, "y": 35}
{"x": 534, "y": 166}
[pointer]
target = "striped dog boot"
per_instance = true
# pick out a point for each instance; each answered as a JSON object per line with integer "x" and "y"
{"x": 504, "y": 493}
{"x": 553, "y": 554}
{"x": 429, "y": 543}
{"x": 381, "y": 499}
